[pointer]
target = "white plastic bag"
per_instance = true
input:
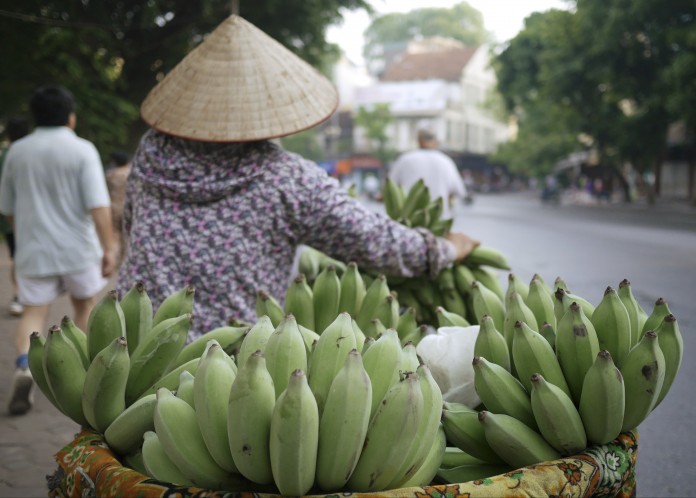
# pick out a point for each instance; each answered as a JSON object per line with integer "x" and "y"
{"x": 449, "y": 354}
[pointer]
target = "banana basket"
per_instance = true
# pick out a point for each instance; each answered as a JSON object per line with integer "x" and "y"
{"x": 87, "y": 467}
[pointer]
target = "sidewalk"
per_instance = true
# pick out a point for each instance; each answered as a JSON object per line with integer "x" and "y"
{"x": 27, "y": 443}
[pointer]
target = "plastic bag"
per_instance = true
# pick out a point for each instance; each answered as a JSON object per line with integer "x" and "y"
{"x": 449, "y": 353}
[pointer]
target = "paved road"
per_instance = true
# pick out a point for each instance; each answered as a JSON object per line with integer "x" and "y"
{"x": 589, "y": 247}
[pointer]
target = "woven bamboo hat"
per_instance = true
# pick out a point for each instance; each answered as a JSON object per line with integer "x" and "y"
{"x": 239, "y": 85}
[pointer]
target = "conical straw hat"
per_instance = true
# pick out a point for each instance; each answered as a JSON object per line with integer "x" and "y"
{"x": 239, "y": 85}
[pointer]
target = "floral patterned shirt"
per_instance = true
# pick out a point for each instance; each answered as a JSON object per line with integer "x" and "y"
{"x": 227, "y": 218}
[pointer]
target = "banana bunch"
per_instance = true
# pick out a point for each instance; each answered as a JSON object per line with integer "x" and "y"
{"x": 562, "y": 374}
{"x": 106, "y": 378}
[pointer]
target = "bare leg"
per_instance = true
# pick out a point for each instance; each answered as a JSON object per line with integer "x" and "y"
{"x": 33, "y": 319}
{"x": 82, "y": 307}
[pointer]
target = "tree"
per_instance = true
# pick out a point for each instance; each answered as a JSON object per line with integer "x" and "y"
{"x": 375, "y": 122}
{"x": 110, "y": 53}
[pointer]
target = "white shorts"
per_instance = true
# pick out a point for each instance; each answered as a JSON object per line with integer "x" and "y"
{"x": 39, "y": 291}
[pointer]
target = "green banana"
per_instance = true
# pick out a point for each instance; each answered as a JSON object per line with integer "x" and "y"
{"x": 659, "y": 312}
{"x": 407, "y": 322}
{"x": 285, "y": 352}
{"x": 454, "y": 457}
{"x": 77, "y": 337}
{"x": 549, "y": 334}
{"x": 517, "y": 311}
{"x": 155, "y": 353}
{"x": 104, "y": 390}
{"x": 563, "y": 301}
{"x": 491, "y": 344}
{"x": 672, "y": 346}
{"x": 394, "y": 197}
{"x": 464, "y": 431}
{"x": 158, "y": 465}
{"x": 417, "y": 197}
{"x": 105, "y": 323}
{"x": 463, "y": 278}
{"x": 267, "y": 305}
{"x": 633, "y": 308}
{"x": 255, "y": 339}
{"x": 471, "y": 472}
{"x": 35, "y": 356}
{"x": 514, "y": 442}
{"x": 544, "y": 285}
{"x": 376, "y": 293}
{"x": 532, "y": 354}
{"x": 138, "y": 314}
{"x": 294, "y": 437}
{"x": 211, "y": 391}
{"x": 382, "y": 362}
{"x": 135, "y": 461}
{"x": 613, "y": 326}
{"x": 643, "y": 371}
{"x": 390, "y": 435}
{"x": 557, "y": 418}
{"x": 366, "y": 345}
{"x": 251, "y": 402}
{"x": 326, "y": 298}
{"x": 172, "y": 378}
{"x": 415, "y": 335}
{"x": 227, "y": 337}
{"x": 185, "y": 389}
{"x": 435, "y": 210}
{"x": 375, "y": 328}
{"x": 445, "y": 279}
{"x": 487, "y": 256}
{"x": 310, "y": 339}
{"x": 125, "y": 434}
{"x": 308, "y": 264}
{"x": 409, "y": 358}
{"x": 441, "y": 227}
{"x": 329, "y": 356}
{"x": 515, "y": 285}
{"x": 420, "y": 218}
{"x": 387, "y": 311}
{"x": 453, "y": 301}
{"x": 299, "y": 301}
{"x": 359, "y": 335}
{"x": 603, "y": 399}
{"x": 487, "y": 302}
{"x": 450, "y": 319}
{"x": 425, "y": 474}
{"x": 64, "y": 374}
{"x": 176, "y": 304}
{"x": 501, "y": 392}
{"x": 353, "y": 290}
{"x": 539, "y": 300}
{"x": 343, "y": 424}
{"x": 576, "y": 348}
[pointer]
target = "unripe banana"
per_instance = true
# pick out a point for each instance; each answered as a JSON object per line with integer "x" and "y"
{"x": 211, "y": 391}
{"x": 390, "y": 436}
{"x": 382, "y": 362}
{"x": 549, "y": 334}
{"x": 643, "y": 371}
{"x": 326, "y": 298}
{"x": 417, "y": 197}
{"x": 602, "y": 402}
{"x": 135, "y": 461}
{"x": 138, "y": 314}
{"x": 454, "y": 457}
{"x": 227, "y": 337}
{"x": 441, "y": 227}
{"x": 464, "y": 431}
{"x": 487, "y": 302}
{"x": 343, "y": 424}
{"x": 285, "y": 352}
{"x": 557, "y": 418}
{"x": 517, "y": 311}
{"x": 155, "y": 353}
{"x": 435, "y": 209}
{"x": 329, "y": 356}
{"x": 471, "y": 472}
{"x": 514, "y": 442}
{"x": 255, "y": 339}
{"x": 308, "y": 264}
{"x": 415, "y": 336}
{"x": 487, "y": 256}
{"x": 532, "y": 354}
{"x": 65, "y": 374}
{"x": 463, "y": 278}
{"x": 158, "y": 465}
{"x": 450, "y": 319}
{"x": 368, "y": 342}
{"x": 672, "y": 346}
{"x": 576, "y": 348}
{"x": 104, "y": 391}
{"x": 540, "y": 302}
{"x": 635, "y": 312}
{"x": 375, "y": 328}
{"x": 376, "y": 293}
{"x": 409, "y": 358}
{"x": 353, "y": 290}
{"x": 501, "y": 392}
{"x": 177, "y": 429}
{"x": 544, "y": 285}
{"x": 77, "y": 337}
{"x": 267, "y": 305}
{"x": 394, "y": 197}
{"x": 407, "y": 322}
{"x": 659, "y": 312}
{"x": 310, "y": 339}
{"x": 174, "y": 305}
{"x": 185, "y": 389}
{"x": 299, "y": 301}
{"x": 453, "y": 301}
{"x": 36, "y": 352}
{"x": 105, "y": 323}
{"x": 491, "y": 344}
{"x": 387, "y": 311}
{"x": 515, "y": 285}
{"x": 359, "y": 335}
{"x": 445, "y": 279}
{"x": 563, "y": 301}
{"x": 613, "y": 326}
{"x": 125, "y": 434}
{"x": 251, "y": 401}
{"x": 427, "y": 471}
{"x": 172, "y": 378}
{"x": 294, "y": 437}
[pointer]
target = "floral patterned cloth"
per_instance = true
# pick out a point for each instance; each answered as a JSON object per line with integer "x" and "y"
{"x": 87, "y": 467}
{"x": 227, "y": 218}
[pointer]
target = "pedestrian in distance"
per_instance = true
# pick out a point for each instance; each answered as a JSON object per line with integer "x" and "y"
{"x": 53, "y": 189}
{"x": 434, "y": 167}
{"x": 116, "y": 178}
{"x": 15, "y": 128}
{"x": 213, "y": 201}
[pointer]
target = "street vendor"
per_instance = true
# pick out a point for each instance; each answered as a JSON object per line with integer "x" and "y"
{"x": 214, "y": 202}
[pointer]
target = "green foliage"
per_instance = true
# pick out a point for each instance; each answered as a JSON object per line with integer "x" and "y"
{"x": 306, "y": 144}
{"x": 375, "y": 122}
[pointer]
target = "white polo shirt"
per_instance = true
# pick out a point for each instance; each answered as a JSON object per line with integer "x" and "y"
{"x": 50, "y": 182}
{"x": 437, "y": 170}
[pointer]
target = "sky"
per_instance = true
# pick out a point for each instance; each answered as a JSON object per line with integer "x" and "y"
{"x": 504, "y": 18}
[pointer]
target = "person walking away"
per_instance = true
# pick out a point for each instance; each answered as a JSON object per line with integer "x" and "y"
{"x": 116, "y": 178}
{"x": 15, "y": 128}
{"x": 434, "y": 167}
{"x": 214, "y": 202}
{"x": 53, "y": 189}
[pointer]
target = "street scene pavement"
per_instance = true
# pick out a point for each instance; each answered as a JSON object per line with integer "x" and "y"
{"x": 591, "y": 247}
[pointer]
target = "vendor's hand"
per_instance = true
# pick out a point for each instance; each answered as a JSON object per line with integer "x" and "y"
{"x": 463, "y": 244}
{"x": 109, "y": 262}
